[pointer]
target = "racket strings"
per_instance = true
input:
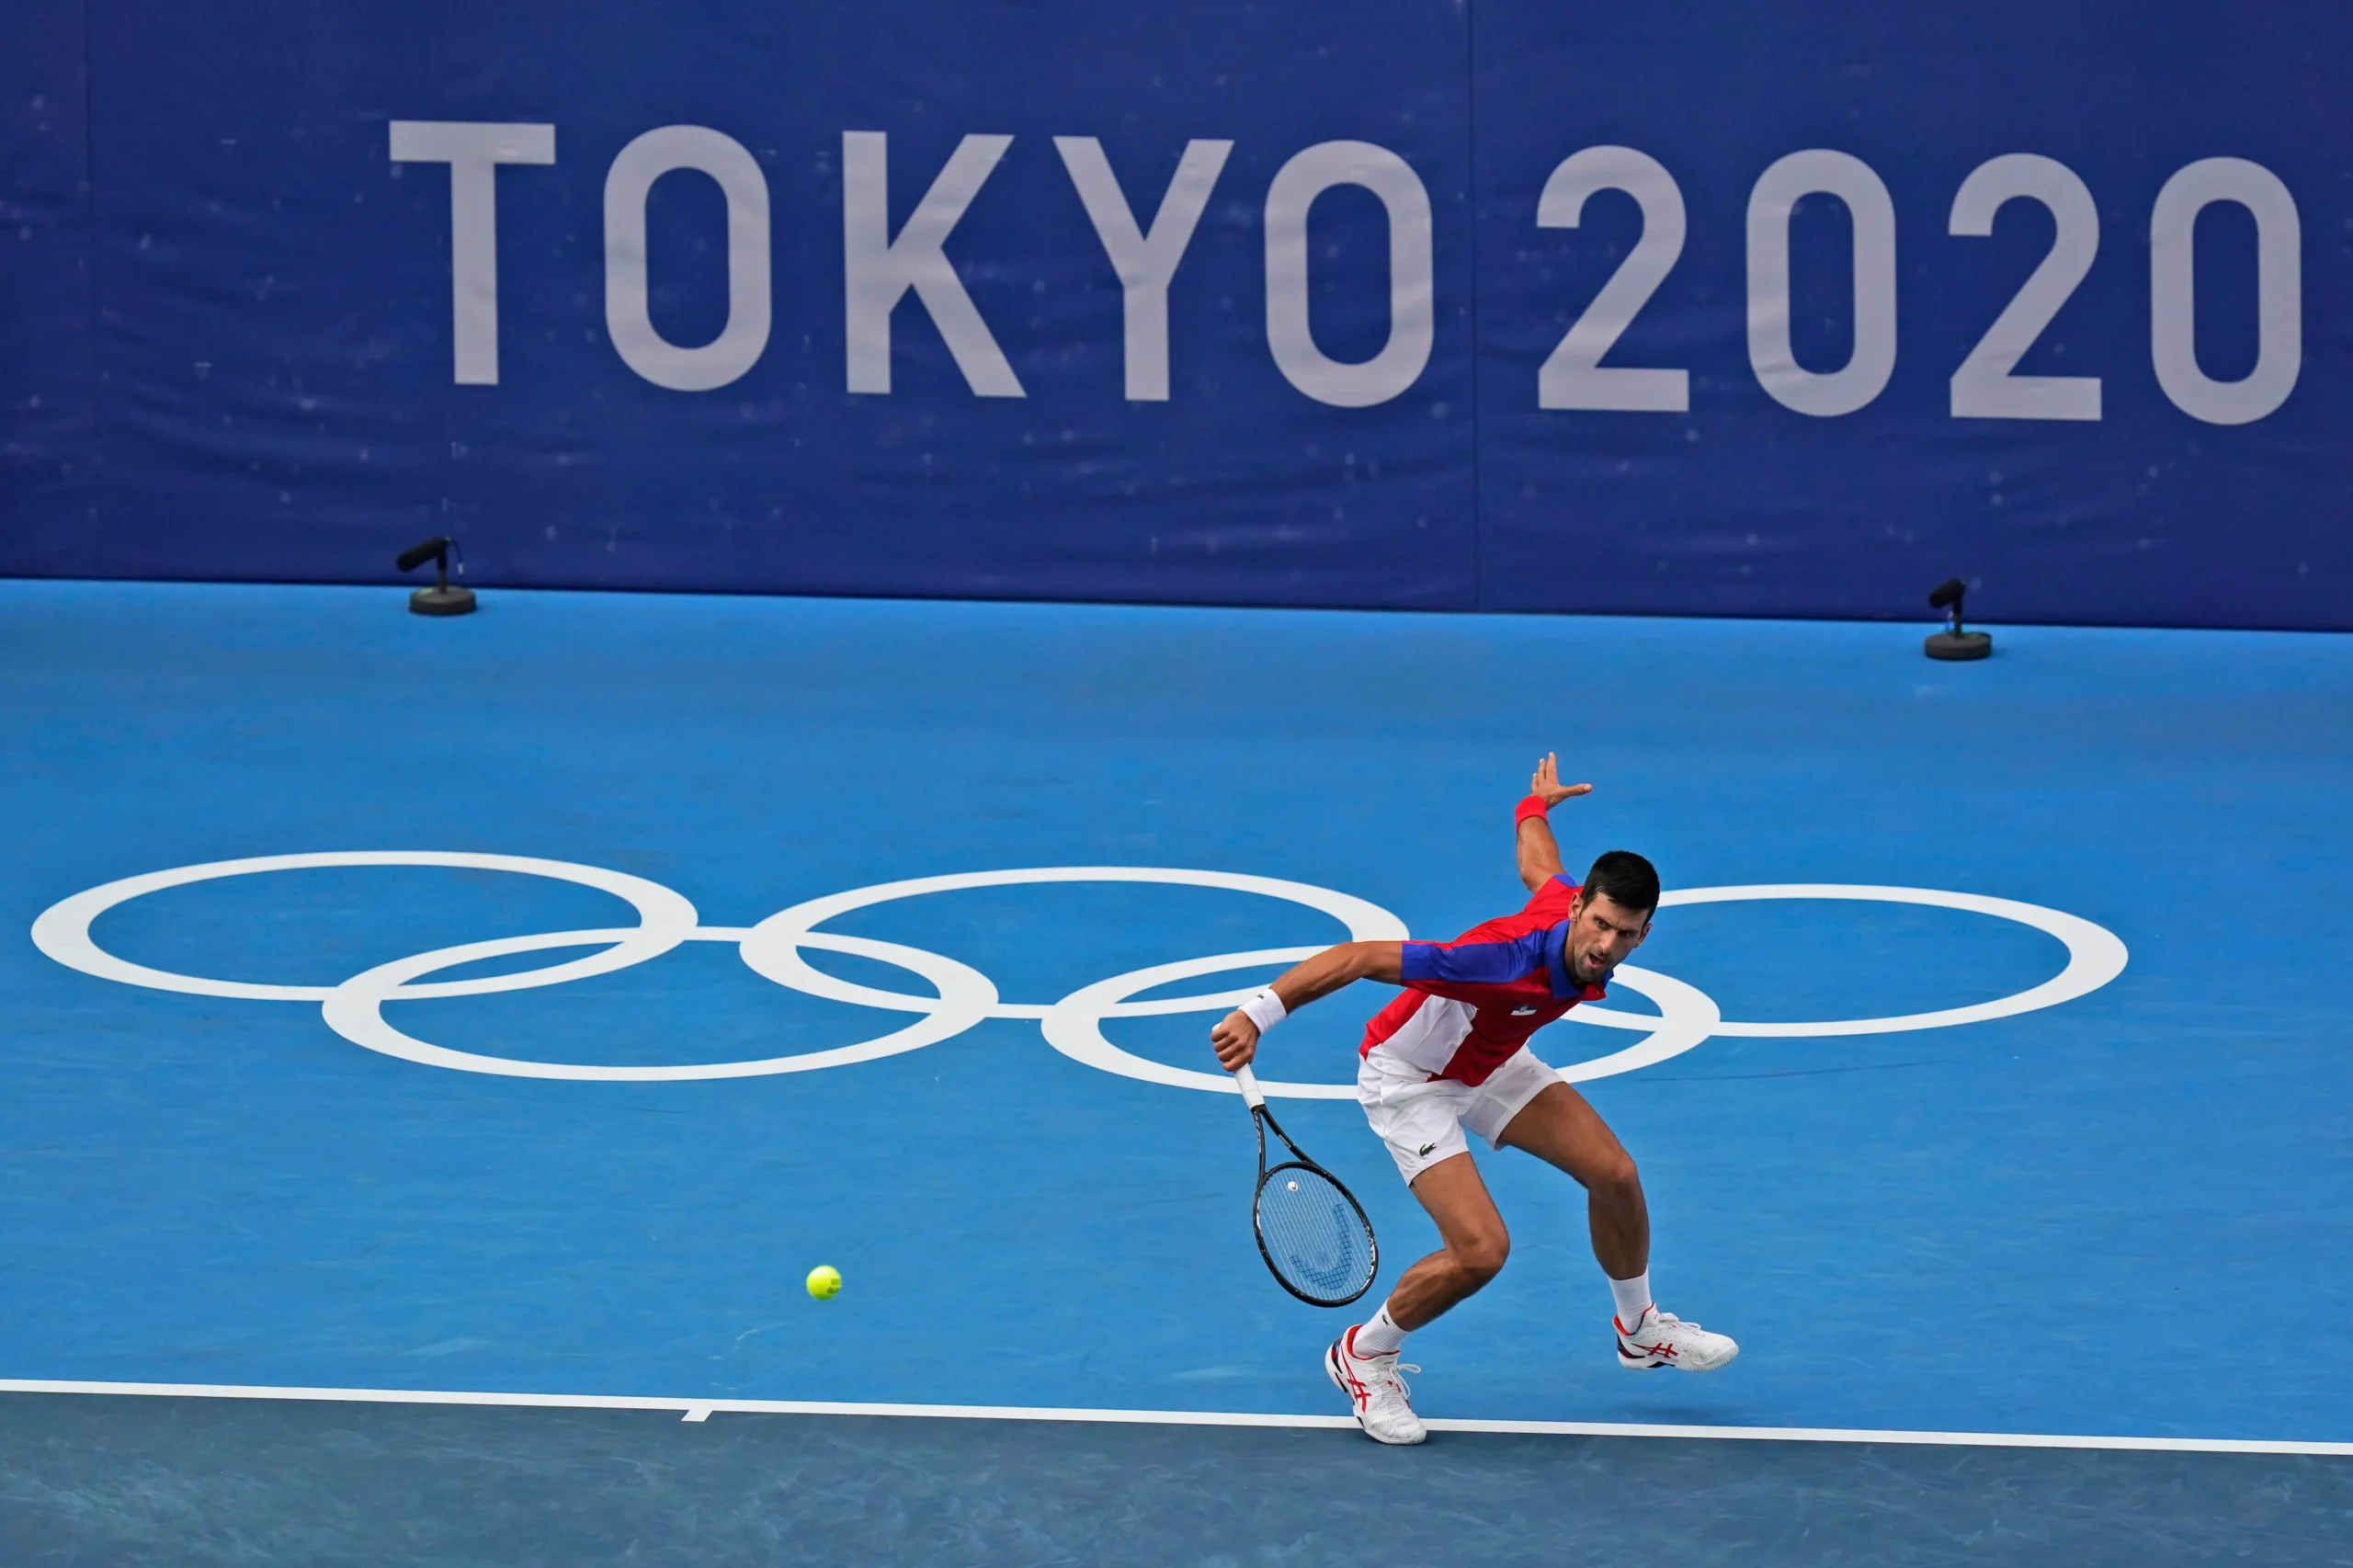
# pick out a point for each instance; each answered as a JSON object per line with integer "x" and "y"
{"x": 1313, "y": 1234}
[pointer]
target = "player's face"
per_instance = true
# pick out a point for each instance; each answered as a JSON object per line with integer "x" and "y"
{"x": 1601, "y": 933}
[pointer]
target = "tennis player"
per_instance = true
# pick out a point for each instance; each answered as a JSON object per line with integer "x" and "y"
{"x": 1451, "y": 1052}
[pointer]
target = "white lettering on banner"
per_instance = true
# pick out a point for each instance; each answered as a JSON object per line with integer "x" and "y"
{"x": 1573, "y": 376}
{"x": 879, "y": 270}
{"x": 474, "y": 151}
{"x": 1984, "y": 388}
{"x": 1412, "y": 312}
{"x": 1819, "y": 171}
{"x": 1144, "y": 261}
{"x": 2278, "y": 290}
{"x": 627, "y": 307}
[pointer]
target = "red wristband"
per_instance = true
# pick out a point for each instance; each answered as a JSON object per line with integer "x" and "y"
{"x": 1533, "y": 806}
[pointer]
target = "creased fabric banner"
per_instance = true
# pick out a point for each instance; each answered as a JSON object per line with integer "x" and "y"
{"x": 1407, "y": 303}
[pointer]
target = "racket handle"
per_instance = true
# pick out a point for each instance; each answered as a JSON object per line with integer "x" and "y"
{"x": 1247, "y": 1082}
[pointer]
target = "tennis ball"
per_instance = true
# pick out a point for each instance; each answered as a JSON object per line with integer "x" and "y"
{"x": 824, "y": 1282}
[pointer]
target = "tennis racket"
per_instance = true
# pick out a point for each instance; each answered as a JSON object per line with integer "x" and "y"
{"x": 1312, "y": 1230}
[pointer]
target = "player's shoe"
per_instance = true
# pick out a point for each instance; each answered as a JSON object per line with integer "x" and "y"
{"x": 1662, "y": 1339}
{"x": 1375, "y": 1391}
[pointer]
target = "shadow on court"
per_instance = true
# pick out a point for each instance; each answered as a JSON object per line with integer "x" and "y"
{"x": 125, "y": 1480}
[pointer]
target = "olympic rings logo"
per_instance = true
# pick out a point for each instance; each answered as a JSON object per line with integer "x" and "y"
{"x": 962, "y": 996}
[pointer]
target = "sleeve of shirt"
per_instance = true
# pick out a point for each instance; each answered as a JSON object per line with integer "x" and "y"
{"x": 1473, "y": 963}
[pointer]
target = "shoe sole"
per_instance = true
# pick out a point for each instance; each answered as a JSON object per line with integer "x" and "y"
{"x": 1332, "y": 1370}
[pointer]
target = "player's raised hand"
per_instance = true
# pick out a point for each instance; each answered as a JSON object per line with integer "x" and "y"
{"x": 1547, "y": 783}
{"x": 1235, "y": 1040}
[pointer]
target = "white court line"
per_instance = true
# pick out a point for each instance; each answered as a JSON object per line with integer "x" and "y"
{"x": 702, "y": 1409}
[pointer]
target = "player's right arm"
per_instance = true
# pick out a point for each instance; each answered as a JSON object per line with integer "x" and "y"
{"x": 1236, "y": 1038}
{"x": 1540, "y": 857}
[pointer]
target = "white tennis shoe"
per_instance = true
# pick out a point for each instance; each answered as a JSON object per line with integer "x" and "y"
{"x": 1378, "y": 1395}
{"x": 1662, "y": 1339}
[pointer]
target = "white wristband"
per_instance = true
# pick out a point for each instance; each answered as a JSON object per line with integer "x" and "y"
{"x": 1265, "y": 1010}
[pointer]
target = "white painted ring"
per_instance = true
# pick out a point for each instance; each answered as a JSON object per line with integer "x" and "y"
{"x": 63, "y": 930}
{"x": 355, "y": 1010}
{"x": 2095, "y": 956}
{"x": 1074, "y": 1026}
{"x": 1687, "y": 1016}
{"x": 770, "y": 949}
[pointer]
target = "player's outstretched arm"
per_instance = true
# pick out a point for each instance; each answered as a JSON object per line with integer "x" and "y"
{"x": 1540, "y": 857}
{"x": 1235, "y": 1038}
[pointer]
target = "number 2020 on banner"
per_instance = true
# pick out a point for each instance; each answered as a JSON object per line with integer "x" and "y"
{"x": 1986, "y": 384}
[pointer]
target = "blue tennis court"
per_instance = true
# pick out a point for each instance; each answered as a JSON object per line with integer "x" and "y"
{"x": 2114, "y": 1216}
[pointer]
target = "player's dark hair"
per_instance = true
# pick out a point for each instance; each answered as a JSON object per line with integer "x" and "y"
{"x": 1624, "y": 878}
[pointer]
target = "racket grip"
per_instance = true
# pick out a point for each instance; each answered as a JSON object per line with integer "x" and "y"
{"x": 1247, "y": 1082}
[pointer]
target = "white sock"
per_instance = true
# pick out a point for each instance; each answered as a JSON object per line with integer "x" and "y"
{"x": 1632, "y": 1296}
{"x": 1381, "y": 1336}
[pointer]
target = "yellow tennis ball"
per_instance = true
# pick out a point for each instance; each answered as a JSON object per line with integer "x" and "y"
{"x": 824, "y": 1282}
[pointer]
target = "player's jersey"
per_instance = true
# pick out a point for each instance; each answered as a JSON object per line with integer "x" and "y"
{"x": 1513, "y": 973}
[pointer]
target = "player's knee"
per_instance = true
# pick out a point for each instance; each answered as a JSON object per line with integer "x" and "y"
{"x": 1617, "y": 1177}
{"x": 1479, "y": 1258}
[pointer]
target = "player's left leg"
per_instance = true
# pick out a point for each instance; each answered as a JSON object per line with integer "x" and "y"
{"x": 1561, "y": 1129}
{"x": 1559, "y": 1126}
{"x": 1363, "y": 1362}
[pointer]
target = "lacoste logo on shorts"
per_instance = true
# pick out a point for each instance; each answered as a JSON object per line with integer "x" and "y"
{"x": 1523, "y": 1012}
{"x": 1425, "y": 1148}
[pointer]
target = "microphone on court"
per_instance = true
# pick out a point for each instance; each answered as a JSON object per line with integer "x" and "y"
{"x": 438, "y": 548}
{"x": 440, "y": 598}
{"x": 1953, "y": 643}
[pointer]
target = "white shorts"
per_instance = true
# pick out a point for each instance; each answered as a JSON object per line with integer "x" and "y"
{"x": 1422, "y": 1119}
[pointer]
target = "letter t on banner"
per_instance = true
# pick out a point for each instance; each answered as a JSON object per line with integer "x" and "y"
{"x": 879, "y": 270}
{"x": 473, "y": 153}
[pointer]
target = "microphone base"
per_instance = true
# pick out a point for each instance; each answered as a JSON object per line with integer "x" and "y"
{"x": 442, "y": 601}
{"x": 1959, "y": 644}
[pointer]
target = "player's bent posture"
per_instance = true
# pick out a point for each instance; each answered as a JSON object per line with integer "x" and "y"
{"x": 1451, "y": 1052}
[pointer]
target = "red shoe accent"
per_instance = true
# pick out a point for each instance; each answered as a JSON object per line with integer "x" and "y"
{"x": 1357, "y": 1392}
{"x": 1661, "y": 1350}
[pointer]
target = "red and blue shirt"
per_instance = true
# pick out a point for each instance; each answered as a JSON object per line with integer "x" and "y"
{"x": 1510, "y": 976}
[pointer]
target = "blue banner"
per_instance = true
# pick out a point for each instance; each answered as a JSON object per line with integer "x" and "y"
{"x": 48, "y": 371}
{"x": 1408, "y": 303}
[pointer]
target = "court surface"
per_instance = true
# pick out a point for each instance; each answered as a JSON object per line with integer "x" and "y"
{"x": 2119, "y": 1218}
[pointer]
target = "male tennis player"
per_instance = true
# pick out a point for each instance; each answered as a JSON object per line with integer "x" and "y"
{"x": 1451, "y": 1052}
